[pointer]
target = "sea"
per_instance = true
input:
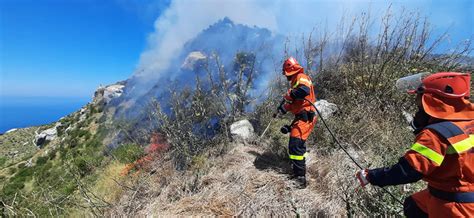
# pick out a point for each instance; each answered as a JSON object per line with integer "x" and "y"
{"x": 20, "y": 112}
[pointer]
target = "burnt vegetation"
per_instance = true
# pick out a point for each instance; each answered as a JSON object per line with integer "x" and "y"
{"x": 199, "y": 117}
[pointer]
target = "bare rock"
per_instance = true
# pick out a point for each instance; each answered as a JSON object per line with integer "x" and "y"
{"x": 113, "y": 91}
{"x": 104, "y": 94}
{"x": 46, "y": 136}
{"x": 12, "y": 154}
{"x": 325, "y": 108}
{"x": 11, "y": 130}
{"x": 29, "y": 163}
{"x": 242, "y": 130}
{"x": 193, "y": 60}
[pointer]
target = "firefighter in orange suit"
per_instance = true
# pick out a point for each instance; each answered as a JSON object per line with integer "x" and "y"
{"x": 442, "y": 154}
{"x": 296, "y": 102}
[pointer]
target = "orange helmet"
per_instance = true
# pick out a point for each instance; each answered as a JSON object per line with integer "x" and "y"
{"x": 291, "y": 67}
{"x": 447, "y": 84}
{"x": 446, "y": 96}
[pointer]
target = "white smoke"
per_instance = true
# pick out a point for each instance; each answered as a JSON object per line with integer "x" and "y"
{"x": 184, "y": 19}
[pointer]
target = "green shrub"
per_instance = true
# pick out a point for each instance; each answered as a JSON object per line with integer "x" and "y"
{"x": 82, "y": 166}
{"x": 52, "y": 155}
{"x": 92, "y": 109}
{"x": 12, "y": 170}
{"x": 17, "y": 182}
{"x": 11, "y": 188}
{"x": 41, "y": 160}
{"x": 78, "y": 133}
{"x": 3, "y": 160}
{"x": 87, "y": 136}
{"x": 68, "y": 188}
{"x": 94, "y": 143}
{"x": 128, "y": 153}
{"x": 25, "y": 172}
{"x": 42, "y": 171}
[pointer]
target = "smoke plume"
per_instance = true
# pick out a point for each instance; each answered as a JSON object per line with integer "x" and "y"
{"x": 185, "y": 19}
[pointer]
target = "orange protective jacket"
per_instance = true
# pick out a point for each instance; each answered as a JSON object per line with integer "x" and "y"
{"x": 446, "y": 164}
{"x": 444, "y": 154}
{"x": 298, "y": 105}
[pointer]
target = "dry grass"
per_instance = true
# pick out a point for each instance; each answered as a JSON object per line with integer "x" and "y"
{"x": 107, "y": 185}
{"x": 248, "y": 181}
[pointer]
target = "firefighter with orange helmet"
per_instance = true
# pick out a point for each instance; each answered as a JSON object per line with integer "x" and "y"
{"x": 296, "y": 102}
{"x": 442, "y": 154}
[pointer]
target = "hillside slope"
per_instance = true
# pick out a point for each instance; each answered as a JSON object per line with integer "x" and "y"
{"x": 175, "y": 154}
{"x": 47, "y": 170}
{"x": 249, "y": 180}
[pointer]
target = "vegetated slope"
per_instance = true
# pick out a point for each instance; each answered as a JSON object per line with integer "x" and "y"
{"x": 17, "y": 146}
{"x": 55, "y": 175}
{"x": 249, "y": 180}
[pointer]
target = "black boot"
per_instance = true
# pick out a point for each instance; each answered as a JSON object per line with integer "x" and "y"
{"x": 300, "y": 181}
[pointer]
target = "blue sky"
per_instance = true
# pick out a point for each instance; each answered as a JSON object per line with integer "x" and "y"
{"x": 66, "y": 48}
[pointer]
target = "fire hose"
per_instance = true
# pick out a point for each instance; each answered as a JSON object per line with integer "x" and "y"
{"x": 346, "y": 152}
{"x": 269, "y": 123}
{"x": 336, "y": 141}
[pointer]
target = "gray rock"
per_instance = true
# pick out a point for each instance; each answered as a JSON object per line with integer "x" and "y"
{"x": 325, "y": 108}
{"x": 113, "y": 91}
{"x": 29, "y": 163}
{"x": 104, "y": 94}
{"x": 11, "y": 130}
{"x": 192, "y": 60}
{"x": 242, "y": 130}
{"x": 69, "y": 128}
{"x": 46, "y": 136}
{"x": 12, "y": 154}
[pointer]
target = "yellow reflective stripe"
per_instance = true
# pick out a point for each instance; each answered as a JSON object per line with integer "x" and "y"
{"x": 298, "y": 157}
{"x": 296, "y": 84}
{"x": 302, "y": 80}
{"x": 305, "y": 80}
{"x": 428, "y": 153}
{"x": 461, "y": 146}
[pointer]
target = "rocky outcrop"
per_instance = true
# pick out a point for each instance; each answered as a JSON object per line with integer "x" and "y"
{"x": 113, "y": 91}
{"x": 193, "y": 60}
{"x": 11, "y": 130}
{"x": 242, "y": 130}
{"x": 46, "y": 135}
{"x": 104, "y": 94}
{"x": 325, "y": 108}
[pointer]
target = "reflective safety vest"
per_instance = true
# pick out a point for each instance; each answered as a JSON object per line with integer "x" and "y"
{"x": 444, "y": 154}
{"x": 297, "y": 106}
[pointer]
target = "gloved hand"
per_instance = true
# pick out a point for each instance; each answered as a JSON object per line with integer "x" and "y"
{"x": 362, "y": 177}
{"x": 287, "y": 97}
{"x": 281, "y": 109}
{"x": 285, "y": 129}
